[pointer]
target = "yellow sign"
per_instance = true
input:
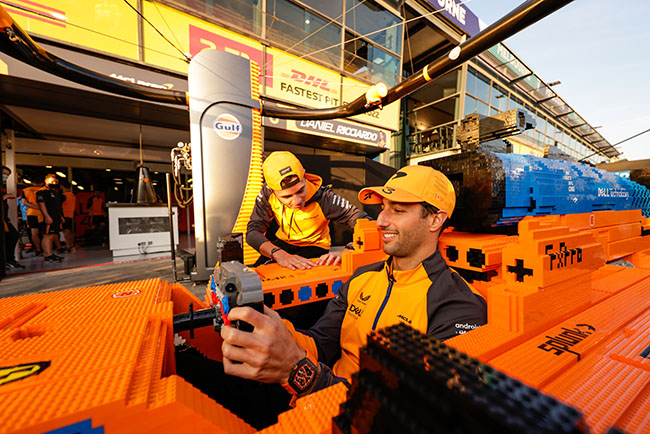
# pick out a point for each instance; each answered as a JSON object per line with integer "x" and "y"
{"x": 301, "y": 82}
{"x": 387, "y": 117}
{"x": 10, "y": 374}
{"x": 191, "y": 35}
{"x": 107, "y": 25}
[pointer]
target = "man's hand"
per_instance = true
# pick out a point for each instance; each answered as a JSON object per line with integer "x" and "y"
{"x": 293, "y": 262}
{"x": 331, "y": 258}
{"x": 267, "y": 354}
{"x": 48, "y": 220}
{"x": 8, "y": 196}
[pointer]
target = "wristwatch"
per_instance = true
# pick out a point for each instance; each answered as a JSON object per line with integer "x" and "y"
{"x": 276, "y": 249}
{"x": 303, "y": 375}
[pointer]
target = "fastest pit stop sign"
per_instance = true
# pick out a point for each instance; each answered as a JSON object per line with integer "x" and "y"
{"x": 227, "y": 126}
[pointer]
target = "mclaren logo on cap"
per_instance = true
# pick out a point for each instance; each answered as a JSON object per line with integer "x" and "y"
{"x": 285, "y": 170}
{"x": 227, "y": 126}
{"x": 398, "y": 175}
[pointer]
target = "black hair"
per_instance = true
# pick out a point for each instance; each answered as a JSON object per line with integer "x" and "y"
{"x": 428, "y": 209}
{"x": 5, "y": 167}
{"x": 289, "y": 181}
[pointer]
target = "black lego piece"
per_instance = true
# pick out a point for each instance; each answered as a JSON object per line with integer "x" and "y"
{"x": 411, "y": 383}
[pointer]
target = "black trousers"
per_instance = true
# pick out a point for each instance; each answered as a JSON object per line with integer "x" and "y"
{"x": 11, "y": 238}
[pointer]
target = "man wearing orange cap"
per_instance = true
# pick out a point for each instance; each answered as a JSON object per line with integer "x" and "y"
{"x": 302, "y": 208}
{"x": 414, "y": 286}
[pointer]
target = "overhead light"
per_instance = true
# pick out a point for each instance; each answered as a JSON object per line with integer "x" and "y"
{"x": 307, "y": 21}
{"x": 27, "y": 181}
{"x": 115, "y": 188}
{"x": 61, "y": 174}
{"x": 117, "y": 179}
{"x": 80, "y": 187}
{"x": 48, "y": 167}
{"x": 74, "y": 182}
{"x": 155, "y": 173}
{"x": 108, "y": 170}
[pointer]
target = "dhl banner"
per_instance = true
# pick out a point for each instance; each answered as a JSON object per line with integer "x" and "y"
{"x": 106, "y": 25}
{"x": 301, "y": 82}
{"x": 192, "y": 35}
{"x": 387, "y": 117}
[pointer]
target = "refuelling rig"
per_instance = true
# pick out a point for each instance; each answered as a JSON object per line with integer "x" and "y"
{"x": 558, "y": 249}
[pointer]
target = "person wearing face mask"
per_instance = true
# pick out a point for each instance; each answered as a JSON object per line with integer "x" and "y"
{"x": 11, "y": 234}
{"x": 413, "y": 285}
{"x": 302, "y": 208}
{"x": 49, "y": 202}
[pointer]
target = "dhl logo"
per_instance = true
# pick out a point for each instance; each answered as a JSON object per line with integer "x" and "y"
{"x": 309, "y": 81}
{"x": 202, "y": 39}
{"x": 38, "y": 11}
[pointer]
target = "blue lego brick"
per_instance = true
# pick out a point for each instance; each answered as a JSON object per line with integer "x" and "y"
{"x": 336, "y": 286}
{"x": 304, "y": 293}
{"x": 537, "y": 186}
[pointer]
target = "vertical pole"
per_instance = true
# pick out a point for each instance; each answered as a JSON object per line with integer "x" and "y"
{"x": 171, "y": 224}
{"x": 188, "y": 226}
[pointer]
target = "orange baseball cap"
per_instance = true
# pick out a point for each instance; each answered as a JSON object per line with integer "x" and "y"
{"x": 414, "y": 184}
{"x": 278, "y": 165}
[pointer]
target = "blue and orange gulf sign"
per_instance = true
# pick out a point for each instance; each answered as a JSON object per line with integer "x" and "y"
{"x": 110, "y": 26}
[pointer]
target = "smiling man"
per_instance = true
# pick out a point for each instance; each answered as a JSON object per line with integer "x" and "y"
{"x": 414, "y": 286}
{"x": 302, "y": 208}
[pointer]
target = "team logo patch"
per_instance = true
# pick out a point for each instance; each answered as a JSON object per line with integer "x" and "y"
{"x": 227, "y": 126}
{"x": 9, "y": 374}
{"x": 362, "y": 298}
{"x": 285, "y": 170}
{"x": 398, "y": 175}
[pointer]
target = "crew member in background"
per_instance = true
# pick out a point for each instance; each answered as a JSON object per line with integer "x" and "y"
{"x": 68, "y": 207}
{"x": 413, "y": 286}
{"x": 34, "y": 216}
{"x": 11, "y": 234}
{"x": 97, "y": 212}
{"x": 303, "y": 208}
{"x": 49, "y": 202}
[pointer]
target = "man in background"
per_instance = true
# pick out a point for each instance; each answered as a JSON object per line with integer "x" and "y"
{"x": 49, "y": 203}
{"x": 68, "y": 207}
{"x": 34, "y": 216}
{"x": 11, "y": 234}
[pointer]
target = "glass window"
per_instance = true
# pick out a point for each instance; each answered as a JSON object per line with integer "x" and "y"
{"x": 375, "y": 23}
{"x": 331, "y": 8}
{"x": 428, "y": 117}
{"x": 288, "y": 24}
{"x": 499, "y": 98}
{"x": 367, "y": 61}
{"x": 245, "y": 14}
{"x": 515, "y": 102}
{"x": 478, "y": 85}
{"x": 541, "y": 123}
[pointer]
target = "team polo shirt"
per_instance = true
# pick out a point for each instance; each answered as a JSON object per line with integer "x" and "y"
{"x": 30, "y": 196}
{"x": 430, "y": 298}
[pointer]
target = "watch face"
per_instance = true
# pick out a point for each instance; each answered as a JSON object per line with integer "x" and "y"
{"x": 303, "y": 376}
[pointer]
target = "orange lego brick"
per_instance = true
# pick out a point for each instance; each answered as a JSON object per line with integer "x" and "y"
{"x": 312, "y": 413}
{"x": 99, "y": 357}
{"x": 618, "y": 249}
{"x": 546, "y": 355}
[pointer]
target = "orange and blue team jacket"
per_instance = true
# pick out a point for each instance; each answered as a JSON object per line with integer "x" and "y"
{"x": 430, "y": 298}
{"x": 304, "y": 227}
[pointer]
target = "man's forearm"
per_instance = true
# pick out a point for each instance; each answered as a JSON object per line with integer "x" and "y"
{"x": 43, "y": 209}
